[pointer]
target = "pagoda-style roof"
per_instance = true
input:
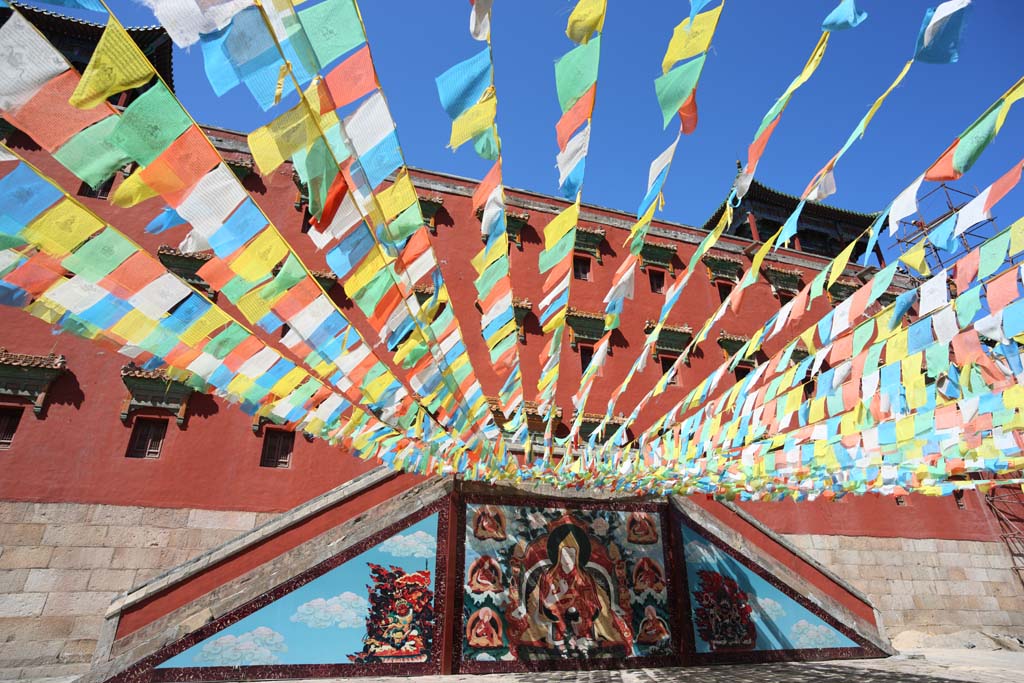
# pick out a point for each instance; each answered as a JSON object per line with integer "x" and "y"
{"x": 77, "y": 38}
{"x": 761, "y": 192}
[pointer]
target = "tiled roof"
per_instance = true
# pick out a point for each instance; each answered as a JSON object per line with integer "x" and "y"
{"x": 133, "y": 370}
{"x": 24, "y": 360}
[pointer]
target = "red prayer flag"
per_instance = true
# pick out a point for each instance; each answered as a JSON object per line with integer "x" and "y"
{"x": 575, "y": 117}
{"x": 688, "y": 114}
{"x": 352, "y": 79}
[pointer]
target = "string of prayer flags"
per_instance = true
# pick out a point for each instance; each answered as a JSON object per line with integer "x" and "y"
{"x": 30, "y": 62}
{"x": 480, "y": 19}
{"x": 332, "y": 27}
{"x": 691, "y": 38}
{"x": 116, "y": 65}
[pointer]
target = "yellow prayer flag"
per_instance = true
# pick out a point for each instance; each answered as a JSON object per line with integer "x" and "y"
{"x": 264, "y": 252}
{"x": 807, "y": 336}
{"x": 1017, "y": 237}
{"x": 134, "y": 327}
{"x": 475, "y": 120}
{"x": 817, "y": 412}
{"x": 878, "y": 103}
{"x": 905, "y": 429}
{"x": 915, "y": 258}
{"x": 117, "y": 65}
{"x": 896, "y": 347}
{"x": 206, "y": 324}
{"x": 287, "y": 384}
{"x": 1012, "y": 95}
{"x": 556, "y": 321}
{"x": 132, "y": 191}
{"x": 839, "y": 265}
{"x": 45, "y": 310}
{"x": 689, "y": 41}
{"x": 586, "y": 18}
{"x": 398, "y": 197}
{"x": 366, "y": 271}
{"x": 240, "y": 384}
{"x": 290, "y": 132}
{"x": 812, "y": 64}
{"x": 62, "y": 228}
{"x": 253, "y": 306}
{"x": 375, "y": 389}
{"x": 762, "y": 252}
{"x": 499, "y": 248}
{"x": 644, "y": 221}
{"x": 560, "y": 225}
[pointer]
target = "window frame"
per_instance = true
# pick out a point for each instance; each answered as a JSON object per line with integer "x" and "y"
{"x": 135, "y": 449}
{"x": 101, "y": 192}
{"x": 10, "y": 418}
{"x": 723, "y": 282}
{"x": 651, "y": 273}
{"x": 581, "y": 259}
{"x": 272, "y": 447}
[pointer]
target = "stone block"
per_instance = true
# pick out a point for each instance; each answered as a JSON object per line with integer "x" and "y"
{"x": 30, "y": 653}
{"x": 111, "y": 579}
{"x": 13, "y": 512}
{"x": 75, "y": 651}
{"x": 75, "y": 535}
{"x": 982, "y": 602}
{"x": 144, "y": 558}
{"x": 925, "y": 545}
{"x": 947, "y": 546}
{"x": 18, "y": 629}
{"x": 13, "y": 580}
{"x": 117, "y": 515}
{"x": 1001, "y": 560}
{"x": 81, "y": 558}
{"x": 59, "y": 513}
{"x": 930, "y": 602}
{"x": 22, "y": 604}
{"x": 86, "y": 626}
{"x": 975, "y": 574}
{"x": 954, "y": 573}
{"x": 138, "y": 537}
{"x": 186, "y": 538}
{"x": 49, "y": 580}
{"x": 22, "y": 557}
{"x": 21, "y": 534}
{"x": 166, "y": 518}
{"x": 84, "y": 603}
{"x": 211, "y": 538}
{"x": 221, "y": 519}
{"x": 68, "y": 671}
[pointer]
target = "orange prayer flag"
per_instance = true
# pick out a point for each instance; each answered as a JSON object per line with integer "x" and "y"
{"x": 1002, "y": 290}
{"x": 241, "y": 353}
{"x": 688, "y": 114}
{"x": 37, "y": 274}
{"x": 297, "y": 298}
{"x": 137, "y": 271}
{"x": 352, "y": 79}
{"x": 216, "y": 273}
{"x": 49, "y": 119}
{"x": 179, "y": 167}
{"x": 574, "y": 118}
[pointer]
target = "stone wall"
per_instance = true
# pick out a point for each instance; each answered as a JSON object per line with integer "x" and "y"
{"x": 62, "y": 564}
{"x": 929, "y": 585}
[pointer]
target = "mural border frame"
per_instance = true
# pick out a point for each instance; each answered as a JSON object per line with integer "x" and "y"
{"x": 460, "y": 666}
{"x": 689, "y": 655}
{"x": 145, "y": 669}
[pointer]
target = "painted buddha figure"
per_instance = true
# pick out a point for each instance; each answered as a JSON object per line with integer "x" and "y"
{"x": 483, "y": 629}
{"x": 647, "y": 575}
{"x": 640, "y": 528}
{"x": 485, "y": 575}
{"x": 653, "y": 628}
{"x": 489, "y": 523}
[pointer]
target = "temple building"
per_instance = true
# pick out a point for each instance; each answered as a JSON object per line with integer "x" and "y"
{"x": 153, "y": 532}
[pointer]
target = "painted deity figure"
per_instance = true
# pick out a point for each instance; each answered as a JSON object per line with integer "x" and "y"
{"x": 483, "y": 629}
{"x": 653, "y": 628}
{"x": 640, "y": 528}
{"x": 485, "y": 575}
{"x": 489, "y": 523}
{"x": 647, "y": 575}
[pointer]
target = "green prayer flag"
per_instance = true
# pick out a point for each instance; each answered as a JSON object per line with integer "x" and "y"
{"x": 90, "y": 155}
{"x": 576, "y": 71}
{"x": 974, "y": 140}
{"x": 291, "y": 274}
{"x": 817, "y": 286}
{"x": 225, "y": 342}
{"x": 238, "y": 286}
{"x": 489, "y": 278}
{"x": 503, "y": 346}
{"x": 874, "y": 354}
{"x": 333, "y": 28}
{"x": 159, "y": 342}
{"x": 414, "y": 356}
{"x": 11, "y": 241}
{"x": 99, "y": 256}
{"x": 992, "y": 255}
{"x": 317, "y": 170}
{"x": 936, "y": 360}
{"x": 369, "y": 296}
{"x": 967, "y": 306}
{"x": 550, "y": 257}
{"x": 881, "y": 281}
{"x": 150, "y": 124}
{"x": 676, "y": 86}
{"x": 406, "y": 223}
{"x": 862, "y": 335}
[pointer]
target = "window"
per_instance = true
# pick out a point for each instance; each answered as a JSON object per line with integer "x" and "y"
{"x": 667, "y": 360}
{"x": 147, "y": 438}
{"x": 784, "y": 297}
{"x": 9, "y": 418}
{"x": 724, "y": 289}
{"x": 742, "y": 370}
{"x": 277, "y": 448}
{"x": 657, "y": 278}
{"x": 581, "y": 267}
{"x": 101, "y": 192}
{"x": 586, "y": 355}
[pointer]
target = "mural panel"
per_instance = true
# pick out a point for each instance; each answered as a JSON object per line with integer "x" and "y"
{"x": 376, "y": 608}
{"x": 554, "y": 583}
{"x": 734, "y": 609}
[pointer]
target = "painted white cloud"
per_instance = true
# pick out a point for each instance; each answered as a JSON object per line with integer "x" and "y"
{"x": 700, "y": 553}
{"x": 769, "y": 609}
{"x": 805, "y": 635}
{"x": 258, "y": 646}
{"x": 347, "y": 610}
{"x": 417, "y": 544}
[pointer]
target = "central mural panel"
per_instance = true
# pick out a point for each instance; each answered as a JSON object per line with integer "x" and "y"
{"x": 544, "y": 583}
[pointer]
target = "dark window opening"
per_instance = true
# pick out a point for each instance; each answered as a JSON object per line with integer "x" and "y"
{"x": 742, "y": 370}
{"x": 147, "y": 438}
{"x": 901, "y": 501}
{"x": 724, "y": 289}
{"x": 285, "y": 329}
{"x": 9, "y": 418}
{"x": 101, "y": 192}
{"x": 581, "y": 267}
{"x": 586, "y": 355}
{"x": 657, "y": 278}
{"x": 277, "y": 448}
{"x": 958, "y": 496}
{"x": 667, "y": 360}
{"x": 784, "y": 297}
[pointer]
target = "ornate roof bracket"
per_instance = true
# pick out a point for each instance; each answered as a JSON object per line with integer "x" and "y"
{"x": 588, "y": 240}
{"x": 429, "y": 207}
{"x": 148, "y": 389}
{"x": 29, "y": 377}
{"x": 584, "y": 326}
{"x": 672, "y": 339}
{"x": 659, "y": 255}
{"x": 783, "y": 280}
{"x": 731, "y": 343}
{"x": 521, "y": 308}
{"x": 722, "y": 268}
{"x": 841, "y": 291}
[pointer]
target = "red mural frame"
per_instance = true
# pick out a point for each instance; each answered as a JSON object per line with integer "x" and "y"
{"x": 145, "y": 671}
{"x": 689, "y": 654}
{"x": 458, "y": 665}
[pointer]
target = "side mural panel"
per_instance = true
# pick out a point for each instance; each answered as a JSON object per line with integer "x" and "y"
{"x": 736, "y": 613}
{"x": 376, "y": 608}
{"x": 546, "y": 584}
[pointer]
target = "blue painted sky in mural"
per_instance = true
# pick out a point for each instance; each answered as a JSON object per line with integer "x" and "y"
{"x": 323, "y": 621}
{"x": 782, "y": 623}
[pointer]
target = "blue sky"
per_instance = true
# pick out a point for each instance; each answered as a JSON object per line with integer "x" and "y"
{"x": 758, "y": 48}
